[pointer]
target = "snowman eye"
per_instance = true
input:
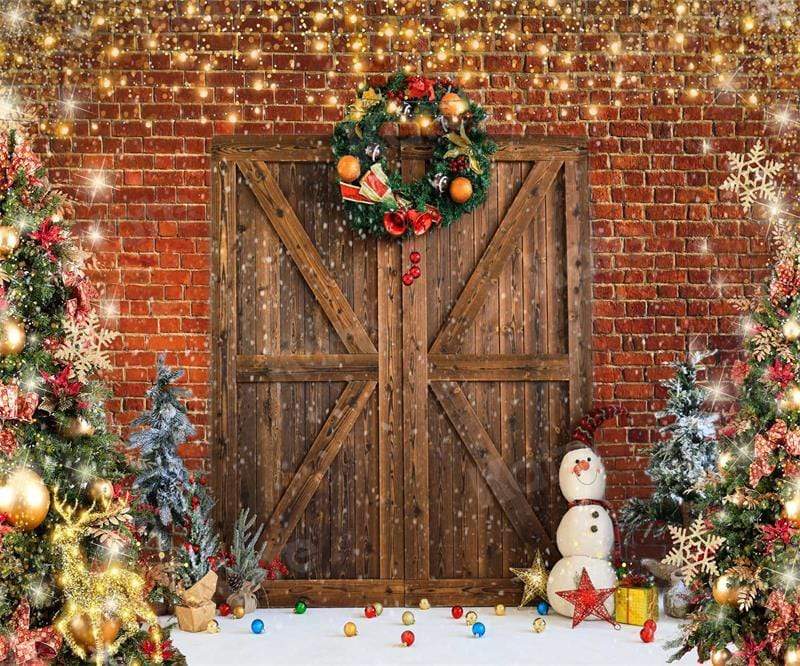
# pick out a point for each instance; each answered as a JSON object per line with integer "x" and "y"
{"x": 589, "y": 459}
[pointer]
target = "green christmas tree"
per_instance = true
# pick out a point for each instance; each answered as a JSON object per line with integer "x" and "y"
{"x": 161, "y": 476}
{"x": 683, "y": 457}
{"x": 741, "y": 557}
{"x": 64, "y": 518}
{"x": 200, "y": 552}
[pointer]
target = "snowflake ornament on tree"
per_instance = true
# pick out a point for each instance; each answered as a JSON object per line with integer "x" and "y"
{"x": 85, "y": 346}
{"x": 694, "y": 549}
{"x": 753, "y": 177}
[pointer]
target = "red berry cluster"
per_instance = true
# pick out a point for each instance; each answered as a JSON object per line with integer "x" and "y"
{"x": 414, "y": 270}
{"x": 274, "y": 568}
{"x": 459, "y": 164}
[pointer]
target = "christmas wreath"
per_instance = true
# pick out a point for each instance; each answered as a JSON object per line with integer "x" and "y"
{"x": 377, "y": 201}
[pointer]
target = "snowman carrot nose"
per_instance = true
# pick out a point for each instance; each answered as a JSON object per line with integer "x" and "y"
{"x": 580, "y": 466}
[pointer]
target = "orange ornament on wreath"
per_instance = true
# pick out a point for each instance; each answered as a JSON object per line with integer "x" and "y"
{"x": 349, "y": 168}
{"x": 461, "y": 190}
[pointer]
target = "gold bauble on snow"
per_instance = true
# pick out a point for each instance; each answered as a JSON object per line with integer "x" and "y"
{"x": 9, "y": 240}
{"x": 12, "y": 336}
{"x": 24, "y": 499}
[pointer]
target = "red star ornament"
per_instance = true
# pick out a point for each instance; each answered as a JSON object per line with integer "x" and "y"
{"x": 588, "y": 600}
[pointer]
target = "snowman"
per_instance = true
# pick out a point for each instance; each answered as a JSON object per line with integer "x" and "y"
{"x": 587, "y": 534}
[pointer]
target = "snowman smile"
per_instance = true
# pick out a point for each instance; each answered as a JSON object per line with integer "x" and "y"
{"x": 587, "y": 483}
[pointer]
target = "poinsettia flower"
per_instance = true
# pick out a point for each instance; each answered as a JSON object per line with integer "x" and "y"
{"x": 781, "y": 373}
{"x": 48, "y": 235}
{"x": 60, "y": 383}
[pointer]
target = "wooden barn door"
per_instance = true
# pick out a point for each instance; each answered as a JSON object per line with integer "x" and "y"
{"x": 399, "y": 442}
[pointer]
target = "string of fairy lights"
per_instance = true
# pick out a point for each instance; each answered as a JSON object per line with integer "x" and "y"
{"x": 58, "y": 57}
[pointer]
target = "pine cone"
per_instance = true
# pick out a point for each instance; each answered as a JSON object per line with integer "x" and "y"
{"x": 235, "y": 581}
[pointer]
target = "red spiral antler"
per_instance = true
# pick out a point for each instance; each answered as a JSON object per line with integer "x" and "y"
{"x": 584, "y": 431}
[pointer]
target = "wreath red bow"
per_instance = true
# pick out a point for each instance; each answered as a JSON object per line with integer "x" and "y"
{"x": 397, "y": 222}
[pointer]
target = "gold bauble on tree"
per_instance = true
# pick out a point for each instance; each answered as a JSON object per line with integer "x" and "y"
{"x": 9, "y": 240}
{"x": 24, "y": 499}
{"x": 451, "y": 104}
{"x": 81, "y": 629}
{"x": 720, "y": 657}
{"x": 101, "y": 491}
{"x": 791, "y": 657}
{"x": 461, "y": 189}
{"x": 75, "y": 427}
{"x": 349, "y": 168}
{"x": 791, "y": 329}
{"x": 12, "y": 336}
{"x": 791, "y": 508}
{"x": 725, "y": 591}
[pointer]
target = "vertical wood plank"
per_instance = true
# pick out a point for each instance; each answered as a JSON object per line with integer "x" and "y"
{"x": 390, "y": 412}
{"x": 229, "y": 499}
{"x": 415, "y": 405}
{"x": 579, "y": 293}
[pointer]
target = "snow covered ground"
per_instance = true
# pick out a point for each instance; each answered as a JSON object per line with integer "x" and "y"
{"x": 317, "y": 638}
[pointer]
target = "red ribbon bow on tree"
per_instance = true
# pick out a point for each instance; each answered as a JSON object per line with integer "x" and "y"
{"x": 397, "y": 222}
{"x": 30, "y": 647}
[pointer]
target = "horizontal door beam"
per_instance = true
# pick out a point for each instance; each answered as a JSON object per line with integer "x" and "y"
{"x": 499, "y": 368}
{"x": 307, "y": 368}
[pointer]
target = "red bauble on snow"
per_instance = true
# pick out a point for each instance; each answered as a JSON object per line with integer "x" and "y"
{"x": 650, "y": 625}
{"x": 224, "y": 610}
{"x": 646, "y": 635}
{"x": 370, "y": 612}
{"x": 408, "y": 279}
{"x": 456, "y": 612}
{"x": 415, "y": 271}
{"x": 415, "y": 257}
{"x": 407, "y": 638}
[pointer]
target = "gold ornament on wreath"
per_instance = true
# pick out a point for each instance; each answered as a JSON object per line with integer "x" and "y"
{"x": 377, "y": 201}
{"x": 24, "y": 499}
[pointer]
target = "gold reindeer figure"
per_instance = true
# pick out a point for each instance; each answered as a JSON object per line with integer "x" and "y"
{"x": 115, "y": 592}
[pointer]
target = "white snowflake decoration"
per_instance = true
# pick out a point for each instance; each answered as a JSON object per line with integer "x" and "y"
{"x": 752, "y": 177}
{"x": 85, "y": 346}
{"x": 694, "y": 549}
{"x": 775, "y": 13}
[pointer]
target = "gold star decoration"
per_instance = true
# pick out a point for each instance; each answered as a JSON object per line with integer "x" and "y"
{"x": 534, "y": 578}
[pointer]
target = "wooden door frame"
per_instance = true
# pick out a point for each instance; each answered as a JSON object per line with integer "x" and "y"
{"x": 410, "y": 367}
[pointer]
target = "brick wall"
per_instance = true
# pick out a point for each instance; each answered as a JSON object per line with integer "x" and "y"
{"x": 666, "y": 250}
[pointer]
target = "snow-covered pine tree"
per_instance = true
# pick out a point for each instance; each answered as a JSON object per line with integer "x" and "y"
{"x": 684, "y": 455}
{"x": 245, "y": 558}
{"x": 200, "y": 552}
{"x": 162, "y": 476}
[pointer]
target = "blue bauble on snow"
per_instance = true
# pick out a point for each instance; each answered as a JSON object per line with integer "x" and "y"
{"x": 543, "y": 608}
{"x": 478, "y": 629}
{"x": 257, "y": 626}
